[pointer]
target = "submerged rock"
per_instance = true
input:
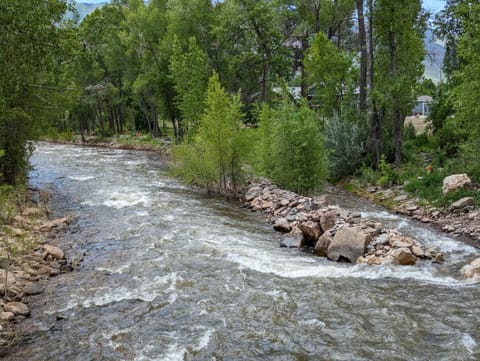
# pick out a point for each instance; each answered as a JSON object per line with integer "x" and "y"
{"x": 292, "y": 240}
{"x": 472, "y": 270}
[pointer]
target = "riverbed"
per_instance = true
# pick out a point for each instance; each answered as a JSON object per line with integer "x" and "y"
{"x": 170, "y": 273}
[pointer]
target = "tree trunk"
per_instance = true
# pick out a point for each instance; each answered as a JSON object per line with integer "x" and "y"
{"x": 316, "y": 8}
{"x": 397, "y": 115}
{"x": 375, "y": 121}
{"x": 362, "y": 39}
{"x": 265, "y": 76}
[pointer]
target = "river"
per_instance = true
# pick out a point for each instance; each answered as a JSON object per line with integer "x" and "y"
{"x": 170, "y": 273}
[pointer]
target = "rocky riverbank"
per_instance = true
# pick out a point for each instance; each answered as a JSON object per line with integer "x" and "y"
{"x": 461, "y": 219}
{"x": 27, "y": 255}
{"x": 335, "y": 233}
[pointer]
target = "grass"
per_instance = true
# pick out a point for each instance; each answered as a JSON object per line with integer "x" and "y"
{"x": 422, "y": 184}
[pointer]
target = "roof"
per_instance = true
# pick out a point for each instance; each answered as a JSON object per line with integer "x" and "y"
{"x": 425, "y": 99}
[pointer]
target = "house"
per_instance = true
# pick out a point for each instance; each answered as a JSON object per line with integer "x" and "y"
{"x": 422, "y": 105}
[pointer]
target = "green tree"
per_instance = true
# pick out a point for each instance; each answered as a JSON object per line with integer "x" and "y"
{"x": 250, "y": 52}
{"x": 328, "y": 70}
{"x": 189, "y": 72}
{"x": 466, "y": 82}
{"x": 216, "y": 154}
{"x": 399, "y": 28}
{"x": 291, "y": 146}
{"x": 31, "y": 33}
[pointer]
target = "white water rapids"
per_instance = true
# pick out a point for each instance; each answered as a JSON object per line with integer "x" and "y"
{"x": 172, "y": 274}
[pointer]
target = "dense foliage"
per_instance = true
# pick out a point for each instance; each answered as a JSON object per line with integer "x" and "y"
{"x": 134, "y": 66}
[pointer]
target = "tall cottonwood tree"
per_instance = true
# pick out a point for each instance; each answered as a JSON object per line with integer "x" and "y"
{"x": 399, "y": 26}
{"x": 31, "y": 33}
{"x": 465, "y": 81}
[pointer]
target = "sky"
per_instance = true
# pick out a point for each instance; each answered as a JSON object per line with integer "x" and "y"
{"x": 434, "y": 5}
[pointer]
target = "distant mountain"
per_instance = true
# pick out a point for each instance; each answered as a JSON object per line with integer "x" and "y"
{"x": 86, "y": 8}
{"x": 434, "y": 59}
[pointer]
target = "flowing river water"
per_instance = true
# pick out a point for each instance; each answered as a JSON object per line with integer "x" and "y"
{"x": 172, "y": 274}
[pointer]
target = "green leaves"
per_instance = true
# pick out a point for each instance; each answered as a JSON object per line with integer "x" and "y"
{"x": 217, "y": 152}
{"x": 328, "y": 70}
{"x": 189, "y": 72}
{"x": 291, "y": 146}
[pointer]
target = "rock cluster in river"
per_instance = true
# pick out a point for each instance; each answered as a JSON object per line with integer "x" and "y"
{"x": 334, "y": 232}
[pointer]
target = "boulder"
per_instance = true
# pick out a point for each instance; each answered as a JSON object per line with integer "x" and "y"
{"x": 53, "y": 251}
{"x": 472, "y": 270}
{"x": 252, "y": 193}
{"x": 33, "y": 212}
{"x": 327, "y": 220}
{"x": 418, "y": 252}
{"x": 11, "y": 279}
{"x": 292, "y": 240}
{"x": 463, "y": 203}
{"x": 455, "y": 182}
{"x": 6, "y": 316}
{"x": 56, "y": 223}
{"x": 323, "y": 242}
{"x": 349, "y": 243}
{"x": 32, "y": 290}
{"x": 17, "y": 308}
{"x": 282, "y": 225}
{"x": 400, "y": 256}
{"x": 311, "y": 231}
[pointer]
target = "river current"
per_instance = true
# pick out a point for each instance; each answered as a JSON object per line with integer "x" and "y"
{"x": 170, "y": 273}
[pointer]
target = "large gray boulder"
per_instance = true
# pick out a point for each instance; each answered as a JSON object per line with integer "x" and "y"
{"x": 455, "y": 182}
{"x": 349, "y": 243}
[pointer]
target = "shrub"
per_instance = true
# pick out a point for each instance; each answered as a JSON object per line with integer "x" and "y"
{"x": 291, "y": 146}
{"x": 345, "y": 142}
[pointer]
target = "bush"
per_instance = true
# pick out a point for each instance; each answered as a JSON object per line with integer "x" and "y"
{"x": 291, "y": 146}
{"x": 345, "y": 142}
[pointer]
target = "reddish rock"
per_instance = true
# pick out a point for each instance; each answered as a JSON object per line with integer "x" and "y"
{"x": 311, "y": 231}
{"x": 327, "y": 220}
{"x": 401, "y": 256}
{"x": 323, "y": 242}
